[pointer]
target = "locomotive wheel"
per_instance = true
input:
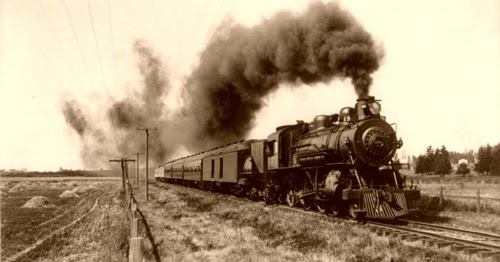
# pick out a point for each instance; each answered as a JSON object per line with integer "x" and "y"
{"x": 253, "y": 194}
{"x": 307, "y": 203}
{"x": 323, "y": 206}
{"x": 352, "y": 208}
{"x": 238, "y": 191}
{"x": 282, "y": 198}
{"x": 269, "y": 196}
{"x": 291, "y": 198}
{"x": 335, "y": 210}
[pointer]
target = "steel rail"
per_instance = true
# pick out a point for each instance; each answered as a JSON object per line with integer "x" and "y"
{"x": 488, "y": 236}
{"x": 452, "y": 240}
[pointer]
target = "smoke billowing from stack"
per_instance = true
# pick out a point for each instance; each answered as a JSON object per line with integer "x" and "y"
{"x": 144, "y": 107}
{"x": 93, "y": 152}
{"x": 244, "y": 64}
{"x": 240, "y": 67}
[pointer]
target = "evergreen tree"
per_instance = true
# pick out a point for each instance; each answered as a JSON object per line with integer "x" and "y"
{"x": 484, "y": 159}
{"x": 429, "y": 160}
{"x": 420, "y": 165}
{"x": 495, "y": 161}
{"x": 442, "y": 165}
{"x": 462, "y": 169}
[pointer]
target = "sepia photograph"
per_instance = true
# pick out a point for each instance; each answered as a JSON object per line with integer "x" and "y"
{"x": 284, "y": 130}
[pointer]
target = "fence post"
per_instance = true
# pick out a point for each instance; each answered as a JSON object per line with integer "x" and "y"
{"x": 134, "y": 232}
{"x": 441, "y": 197}
{"x": 478, "y": 201}
{"x": 134, "y": 210}
{"x": 135, "y": 254}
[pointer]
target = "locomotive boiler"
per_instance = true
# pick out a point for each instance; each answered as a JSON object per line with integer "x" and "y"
{"x": 339, "y": 163}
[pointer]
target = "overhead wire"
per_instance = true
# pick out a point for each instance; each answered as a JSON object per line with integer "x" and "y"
{"x": 75, "y": 35}
{"x": 51, "y": 28}
{"x": 42, "y": 51}
{"x": 112, "y": 42}
{"x": 102, "y": 74}
{"x": 207, "y": 46}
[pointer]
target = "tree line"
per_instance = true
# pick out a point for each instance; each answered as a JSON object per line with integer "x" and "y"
{"x": 488, "y": 160}
{"x": 438, "y": 161}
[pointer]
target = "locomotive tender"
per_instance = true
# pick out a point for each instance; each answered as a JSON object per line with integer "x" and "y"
{"x": 340, "y": 163}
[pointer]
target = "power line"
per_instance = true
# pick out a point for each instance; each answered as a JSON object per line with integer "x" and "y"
{"x": 203, "y": 52}
{"x": 43, "y": 52}
{"x": 76, "y": 38}
{"x": 75, "y": 35}
{"x": 112, "y": 41}
{"x": 51, "y": 27}
{"x": 102, "y": 74}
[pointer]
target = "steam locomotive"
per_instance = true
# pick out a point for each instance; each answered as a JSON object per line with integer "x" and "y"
{"x": 339, "y": 163}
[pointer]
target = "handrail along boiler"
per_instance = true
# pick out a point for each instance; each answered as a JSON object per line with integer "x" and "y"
{"x": 340, "y": 163}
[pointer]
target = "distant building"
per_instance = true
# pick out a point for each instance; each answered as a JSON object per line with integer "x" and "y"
{"x": 465, "y": 161}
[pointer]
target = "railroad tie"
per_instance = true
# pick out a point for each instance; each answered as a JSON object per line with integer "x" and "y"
{"x": 486, "y": 254}
{"x": 387, "y": 232}
{"x": 472, "y": 250}
{"x": 429, "y": 242}
{"x": 442, "y": 244}
{"x": 396, "y": 234}
{"x": 409, "y": 238}
{"x": 458, "y": 247}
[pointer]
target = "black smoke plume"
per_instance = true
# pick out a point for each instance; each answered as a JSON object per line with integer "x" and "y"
{"x": 143, "y": 107}
{"x": 241, "y": 66}
{"x": 244, "y": 64}
{"x": 93, "y": 152}
{"x": 74, "y": 117}
{"x": 144, "y": 110}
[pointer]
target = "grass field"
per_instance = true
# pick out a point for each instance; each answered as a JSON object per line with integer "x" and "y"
{"x": 66, "y": 173}
{"x": 191, "y": 225}
{"x": 23, "y": 227}
{"x": 460, "y": 212}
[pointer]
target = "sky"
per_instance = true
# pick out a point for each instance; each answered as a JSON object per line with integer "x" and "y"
{"x": 439, "y": 79}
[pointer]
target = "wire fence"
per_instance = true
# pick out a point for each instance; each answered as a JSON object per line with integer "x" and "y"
{"x": 136, "y": 251}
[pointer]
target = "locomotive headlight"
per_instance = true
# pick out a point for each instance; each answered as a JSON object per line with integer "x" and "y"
{"x": 375, "y": 108}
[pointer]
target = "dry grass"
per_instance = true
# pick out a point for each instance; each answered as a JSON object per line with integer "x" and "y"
{"x": 65, "y": 173}
{"x": 101, "y": 236}
{"x": 455, "y": 212}
{"x": 458, "y": 185}
{"x": 22, "y": 227}
{"x": 194, "y": 226}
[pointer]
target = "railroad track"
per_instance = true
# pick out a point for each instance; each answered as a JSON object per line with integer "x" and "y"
{"x": 487, "y": 237}
{"x": 469, "y": 242}
{"x": 428, "y": 234}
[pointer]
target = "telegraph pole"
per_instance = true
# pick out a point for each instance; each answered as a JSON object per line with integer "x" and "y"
{"x": 136, "y": 171}
{"x": 147, "y": 129}
{"x": 124, "y": 167}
